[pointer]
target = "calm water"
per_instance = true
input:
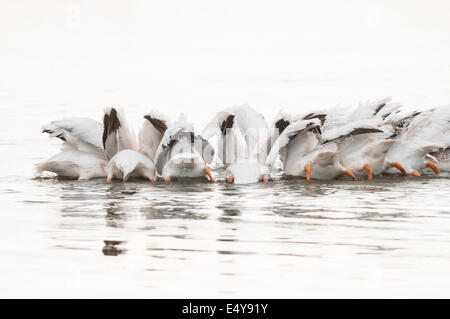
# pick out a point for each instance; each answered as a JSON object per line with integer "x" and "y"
{"x": 288, "y": 238}
{"x": 61, "y": 238}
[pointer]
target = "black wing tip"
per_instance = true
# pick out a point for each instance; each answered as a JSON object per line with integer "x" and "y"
{"x": 382, "y": 104}
{"x": 314, "y": 127}
{"x": 356, "y": 131}
{"x": 321, "y": 116}
{"x": 363, "y": 130}
{"x": 158, "y": 124}
{"x": 111, "y": 114}
{"x": 60, "y": 136}
{"x": 281, "y": 125}
{"x": 379, "y": 108}
{"x": 227, "y": 123}
{"x": 110, "y": 123}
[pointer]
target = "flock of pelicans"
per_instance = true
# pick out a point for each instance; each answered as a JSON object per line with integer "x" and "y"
{"x": 367, "y": 140}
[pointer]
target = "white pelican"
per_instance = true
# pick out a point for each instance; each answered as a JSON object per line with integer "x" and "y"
{"x": 422, "y": 133}
{"x": 441, "y": 158}
{"x": 81, "y": 155}
{"x": 128, "y": 156}
{"x": 182, "y": 153}
{"x": 341, "y": 141}
{"x": 361, "y": 135}
{"x": 243, "y": 143}
{"x": 365, "y": 153}
{"x": 129, "y": 163}
{"x": 301, "y": 151}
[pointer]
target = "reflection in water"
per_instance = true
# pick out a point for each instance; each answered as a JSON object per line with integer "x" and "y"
{"x": 229, "y": 215}
{"x": 166, "y": 210}
{"x": 240, "y": 237}
{"x": 114, "y": 217}
{"x": 114, "y": 248}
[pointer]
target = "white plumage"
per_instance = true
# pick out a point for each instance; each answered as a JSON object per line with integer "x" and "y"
{"x": 81, "y": 155}
{"x": 364, "y": 153}
{"x": 117, "y": 134}
{"x": 129, "y": 156}
{"x": 425, "y": 133}
{"x": 152, "y": 132}
{"x": 74, "y": 164}
{"x": 303, "y": 153}
{"x": 130, "y": 163}
{"x": 369, "y": 139}
{"x": 88, "y": 145}
{"x": 361, "y": 135}
{"x": 182, "y": 153}
{"x": 441, "y": 159}
{"x": 81, "y": 134}
{"x": 243, "y": 143}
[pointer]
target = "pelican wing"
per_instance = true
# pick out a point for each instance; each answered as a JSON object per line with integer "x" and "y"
{"x": 380, "y": 109}
{"x": 281, "y": 121}
{"x": 81, "y": 134}
{"x": 339, "y": 133}
{"x": 432, "y": 126}
{"x": 74, "y": 163}
{"x": 336, "y": 117}
{"x": 161, "y": 159}
{"x": 163, "y": 151}
{"x": 234, "y": 145}
{"x": 255, "y": 131}
{"x": 426, "y": 148}
{"x": 204, "y": 148}
{"x": 219, "y": 124}
{"x": 117, "y": 135}
{"x": 290, "y": 133}
{"x": 250, "y": 121}
{"x": 151, "y": 134}
{"x": 171, "y": 135}
{"x": 398, "y": 123}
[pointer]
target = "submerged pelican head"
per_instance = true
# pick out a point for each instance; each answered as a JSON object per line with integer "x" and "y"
{"x": 128, "y": 163}
{"x": 411, "y": 158}
{"x": 247, "y": 172}
{"x": 184, "y": 165}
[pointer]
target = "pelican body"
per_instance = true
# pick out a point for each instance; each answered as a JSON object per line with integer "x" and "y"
{"x": 182, "y": 153}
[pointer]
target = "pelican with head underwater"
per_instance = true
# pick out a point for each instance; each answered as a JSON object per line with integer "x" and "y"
{"x": 371, "y": 139}
{"x": 243, "y": 143}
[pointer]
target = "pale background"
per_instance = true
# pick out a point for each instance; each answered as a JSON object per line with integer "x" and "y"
{"x": 62, "y": 58}
{"x": 200, "y": 56}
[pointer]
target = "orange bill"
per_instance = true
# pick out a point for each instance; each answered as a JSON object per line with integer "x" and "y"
{"x": 308, "y": 171}
{"x": 433, "y": 167}
{"x": 369, "y": 170}
{"x": 350, "y": 173}
{"x": 399, "y": 167}
{"x": 415, "y": 173}
{"x": 208, "y": 172}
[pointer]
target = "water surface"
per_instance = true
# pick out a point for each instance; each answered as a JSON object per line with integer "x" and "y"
{"x": 287, "y": 238}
